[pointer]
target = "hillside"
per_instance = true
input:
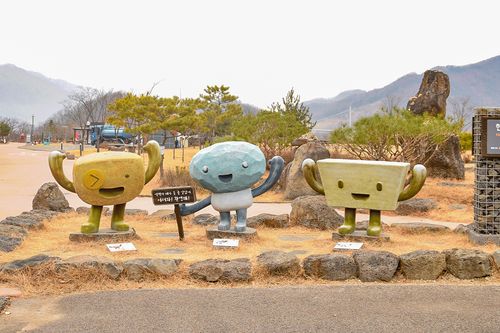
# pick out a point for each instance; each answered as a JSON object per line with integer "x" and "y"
{"x": 23, "y": 93}
{"x": 480, "y": 82}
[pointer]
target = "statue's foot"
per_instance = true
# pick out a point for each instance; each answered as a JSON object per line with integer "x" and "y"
{"x": 119, "y": 226}
{"x": 224, "y": 226}
{"x": 374, "y": 230}
{"x": 240, "y": 227}
{"x": 89, "y": 228}
{"x": 346, "y": 229}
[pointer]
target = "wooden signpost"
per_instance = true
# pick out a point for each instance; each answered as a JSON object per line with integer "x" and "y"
{"x": 174, "y": 196}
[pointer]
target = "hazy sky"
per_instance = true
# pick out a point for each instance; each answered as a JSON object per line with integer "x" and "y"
{"x": 259, "y": 48}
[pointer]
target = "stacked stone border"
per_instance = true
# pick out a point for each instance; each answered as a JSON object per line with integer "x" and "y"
{"x": 367, "y": 266}
{"x": 14, "y": 229}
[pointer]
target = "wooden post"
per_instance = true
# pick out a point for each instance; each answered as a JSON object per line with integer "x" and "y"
{"x": 175, "y": 196}
{"x": 178, "y": 217}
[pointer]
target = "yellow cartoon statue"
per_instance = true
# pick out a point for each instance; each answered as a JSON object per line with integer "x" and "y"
{"x": 373, "y": 185}
{"x": 109, "y": 178}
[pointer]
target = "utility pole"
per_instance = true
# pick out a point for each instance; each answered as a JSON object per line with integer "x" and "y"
{"x": 350, "y": 116}
{"x": 32, "y": 127}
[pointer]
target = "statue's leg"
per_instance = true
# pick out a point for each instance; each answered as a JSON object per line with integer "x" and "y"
{"x": 94, "y": 219}
{"x": 349, "y": 222}
{"x": 241, "y": 220}
{"x": 375, "y": 223}
{"x": 118, "y": 217}
{"x": 225, "y": 221}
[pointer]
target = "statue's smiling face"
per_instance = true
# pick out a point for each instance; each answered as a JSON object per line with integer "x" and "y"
{"x": 362, "y": 184}
{"x": 108, "y": 178}
{"x": 228, "y": 166}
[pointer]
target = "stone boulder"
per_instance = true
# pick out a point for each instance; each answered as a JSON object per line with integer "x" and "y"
{"x": 164, "y": 214}
{"x": 269, "y": 220}
{"x": 4, "y": 301}
{"x": 281, "y": 184}
{"x": 363, "y": 225}
{"x": 25, "y": 222}
{"x": 335, "y": 267}
{"x": 50, "y": 197}
{"x": 496, "y": 258}
{"x": 376, "y": 265}
{"x": 296, "y": 184}
{"x": 423, "y": 264}
{"x": 205, "y": 219}
{"x": 279, "y": 263}
{"x": 9, "y": 244}
{"x": 462, "y": 229}
{"x": 11, "y": 236}
{"x": 32, "y": 262}
{"x": 213, "y": 270}
{"x": 86, "y": 210}
{"x": 313, "y": 212}
{"x": 416, "y": 205}
{"x": 137, "y": 269}
{"x": 308, "y": 137}
{"x": 446, "y": 161}
{"x": 40, "y": 215}
{"x": 419, "y": 227}
{"x": 131, "y": 212}
{"x": 104, "y": 265}
{"x": 467, "y": 263}
{"x": 432, "y": 94}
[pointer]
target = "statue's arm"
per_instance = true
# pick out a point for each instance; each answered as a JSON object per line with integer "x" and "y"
{"x": 419, "y": 173}
{"x": 187, "y": 210}
{"x": 56, "y": 168}
{"x": 309, "y": 169}
{"x": 277, "y": 164}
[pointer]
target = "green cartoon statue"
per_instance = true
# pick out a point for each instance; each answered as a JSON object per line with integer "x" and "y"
{"x": 372, "y": 185}
{"x": 109, "y": 178}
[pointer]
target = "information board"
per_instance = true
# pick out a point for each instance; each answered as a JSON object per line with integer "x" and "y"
{"x": 493, "y": 136}
{"x": 173, "y": 195}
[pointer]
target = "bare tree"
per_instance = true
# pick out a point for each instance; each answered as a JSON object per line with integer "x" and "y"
{"x": 390, "y": 103}
{"x": 18, "y": 127}
{"x": 461, "y": 111}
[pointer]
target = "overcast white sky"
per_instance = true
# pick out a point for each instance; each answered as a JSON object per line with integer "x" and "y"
{"x": 259, "y": 48}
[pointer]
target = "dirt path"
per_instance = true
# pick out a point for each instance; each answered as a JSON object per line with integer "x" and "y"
{"x": 22, "y": 172}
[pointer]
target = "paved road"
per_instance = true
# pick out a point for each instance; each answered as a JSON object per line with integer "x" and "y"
{"x": 342, "y": 308}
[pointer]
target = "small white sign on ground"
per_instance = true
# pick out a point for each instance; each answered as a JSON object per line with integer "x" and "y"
{"x": 348, "y": 246}
{"x": 118, "y": 247}
{"x": 222, "y": 242}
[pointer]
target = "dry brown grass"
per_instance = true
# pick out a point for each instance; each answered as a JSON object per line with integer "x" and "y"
{"x": 53, "y": 240}
{"x": 448, "y": 197}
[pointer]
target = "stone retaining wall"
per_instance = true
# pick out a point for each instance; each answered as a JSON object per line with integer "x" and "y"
{"x": 367, "y": 266}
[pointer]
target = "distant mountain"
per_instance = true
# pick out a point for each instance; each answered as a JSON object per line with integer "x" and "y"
{"x": 479, "y": 82}
{"x": 23, "y": 93}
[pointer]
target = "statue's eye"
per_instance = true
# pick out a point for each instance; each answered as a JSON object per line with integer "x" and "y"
{"x": 204, "y": 169}
{"x": 127, "y": 176}
{"x": 244, "y": 164}
{"x": 340, "y": 184}
{"x": 379, "y": 186}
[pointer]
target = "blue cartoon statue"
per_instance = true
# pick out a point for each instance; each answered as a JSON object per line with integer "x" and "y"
{"x": 228, "y": 170}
